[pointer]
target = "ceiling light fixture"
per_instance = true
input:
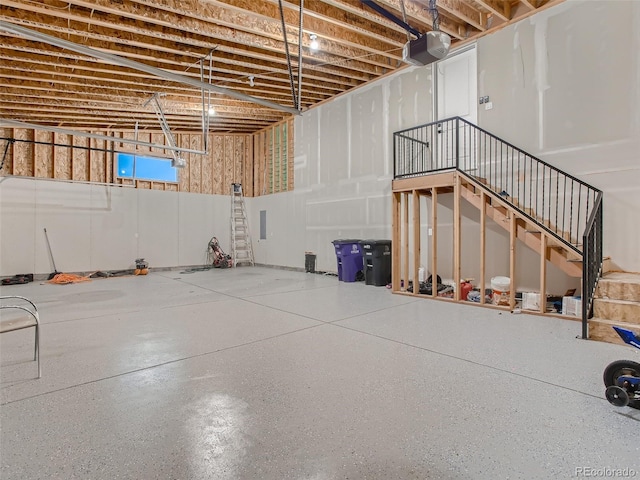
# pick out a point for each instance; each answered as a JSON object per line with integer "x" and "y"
{"x": 251, "y": 82}
{"x": 314, "y": 45}
{"x": 212, "y": 111}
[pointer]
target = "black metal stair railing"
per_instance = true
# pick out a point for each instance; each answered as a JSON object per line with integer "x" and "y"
{"x": 562, "y": 205}
{"x": 591, "y": 263}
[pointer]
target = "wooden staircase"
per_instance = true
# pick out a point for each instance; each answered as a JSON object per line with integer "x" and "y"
{"x": 554, "y": 213}
{"x": 617, "y": 302}
{"x": 527, "y": 230}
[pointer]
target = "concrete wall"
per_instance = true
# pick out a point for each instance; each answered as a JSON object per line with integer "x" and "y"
{"x": 98, "y": 227}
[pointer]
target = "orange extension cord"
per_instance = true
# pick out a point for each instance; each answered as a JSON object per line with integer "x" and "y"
{"x": 65, "y": 278}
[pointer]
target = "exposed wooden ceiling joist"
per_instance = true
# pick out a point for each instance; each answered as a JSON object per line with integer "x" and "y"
{"x": 244, "y": 37}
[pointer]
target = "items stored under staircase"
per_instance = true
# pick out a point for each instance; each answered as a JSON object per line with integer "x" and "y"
{"x": 241, "y": 249}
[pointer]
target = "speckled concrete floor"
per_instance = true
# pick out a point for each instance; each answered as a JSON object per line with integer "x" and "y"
{"x": 258, "y": 373}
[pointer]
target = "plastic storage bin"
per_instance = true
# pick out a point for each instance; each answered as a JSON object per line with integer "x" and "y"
{"x": 531, "y": 301}
{"x": 349, "y": 257}
{"x": 572, "y": 306}
{"x": 377, "y": 262}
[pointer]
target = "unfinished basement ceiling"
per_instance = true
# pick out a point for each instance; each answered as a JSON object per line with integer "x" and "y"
{"x": 45, "y": 84}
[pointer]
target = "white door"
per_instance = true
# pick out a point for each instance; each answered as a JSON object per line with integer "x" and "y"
{"x": 457, "y": 86}
{"x": 456, "y": 92}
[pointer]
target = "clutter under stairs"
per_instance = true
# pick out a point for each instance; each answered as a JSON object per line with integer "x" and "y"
{"x": 617, "y": 302}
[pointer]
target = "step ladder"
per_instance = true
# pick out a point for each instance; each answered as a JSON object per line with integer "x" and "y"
{"x": 241, "y": 249}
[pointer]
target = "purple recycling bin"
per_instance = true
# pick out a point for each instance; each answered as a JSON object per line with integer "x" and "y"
{"x": 349, "y": 256}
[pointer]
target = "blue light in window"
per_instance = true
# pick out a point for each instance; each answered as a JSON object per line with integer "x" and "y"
{"x": 146, "y": 168}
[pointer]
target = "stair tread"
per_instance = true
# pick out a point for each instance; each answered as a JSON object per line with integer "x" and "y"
{"x": 617, "y": 301}
{"x": 617, "y": 323}
{"x": 621, "y": 277}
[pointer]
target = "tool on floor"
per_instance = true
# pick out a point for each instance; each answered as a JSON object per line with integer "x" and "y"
{"x": 622, "y": 377}
{"x": 216, "y": 255}
{"x": 142, "y": 267}
{"x": 55, "y": 270}
{"x": 18, "y": 279}
{"x": 241, "y": 249}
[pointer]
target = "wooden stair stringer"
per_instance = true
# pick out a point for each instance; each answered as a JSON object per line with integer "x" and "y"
{"x": 560, "y": 256}
{"x": 515, "y": 202}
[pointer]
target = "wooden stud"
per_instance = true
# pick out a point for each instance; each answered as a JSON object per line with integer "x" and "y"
{"x": 483, "y": 248}
{"x": 434, "y": 242}
{"x": 512, "y": 259}
{"x": 405, "y": 245}
{"x": 281, "y": 163}
{"x": 291, "y": 143}
{"x": 416, "y": 241}
{"x": 456, "y": 237}
{"x": 395, "y": 241}
{"x": 543, "y": 273}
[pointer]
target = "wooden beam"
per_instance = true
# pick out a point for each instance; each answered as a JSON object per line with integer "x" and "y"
{"x": 320, "y": 86}
{"x": 457, "y": 237}
{"x": 265, "y": 66}
{"x": 405, "y": 244}
{"x": 208, "y": 23}
{"x": 543, "y": 273}
{"x": 416, "y": 13}
{"x": 424, "y": 182}
{"x": 512, "y": 259}
{"x": 264, "y": 18}
{"x": 464, "y": 12}
{"x": 483, "y": 249}
{"x": 434, "y": 242}
{"x": 416, "y": 241}
{"x": 530, "y": 4}
{"x": 501, "y": 9}
{"x": 396, "y": 227}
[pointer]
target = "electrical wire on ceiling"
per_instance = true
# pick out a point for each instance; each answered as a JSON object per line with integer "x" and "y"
{"x": 433, "y": 10}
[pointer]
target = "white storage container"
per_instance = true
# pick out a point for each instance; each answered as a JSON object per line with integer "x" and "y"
{"x": 531, "y": 301}
{"x": 572, "y": 306}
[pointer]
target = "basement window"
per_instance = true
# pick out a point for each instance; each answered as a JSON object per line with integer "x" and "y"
{"x": 137, "y": 167}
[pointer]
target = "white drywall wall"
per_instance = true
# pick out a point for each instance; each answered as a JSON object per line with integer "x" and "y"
{"x": 565, "y": 86}
{"x": 344, "y": 157}
{"x": 98, "y": 227}
{"x": 343, "y": 172}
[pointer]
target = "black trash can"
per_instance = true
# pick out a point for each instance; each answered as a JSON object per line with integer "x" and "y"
{"x": 310, "y": 262}
{"x": 377, "y": 262}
